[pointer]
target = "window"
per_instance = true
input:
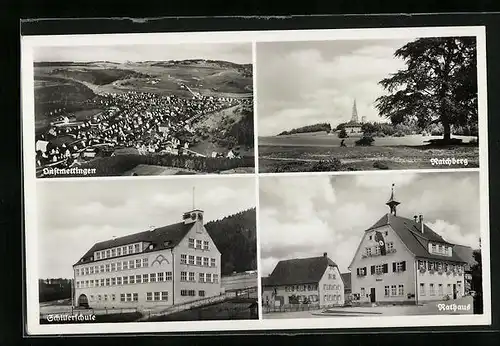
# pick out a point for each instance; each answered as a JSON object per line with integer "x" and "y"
{"x": 136, "y": 248}
{"x": 212, "y": 262}
{"x": 136, "y": 297}
{"x": 168, "y": 276}
{"x": 157, "y": 296}
{"x": 191, "y": 259}
{"x": 202, "y": 277}
{"x": 108, "y": 253}
{"x": 448, "y": 289}
{"x": 208, "y": 277}
{"x": 362, "y": 291}
{"x": 96, "y": 283}
{"x": 149, "y": 296}
{"x": 113, "y": 252}
{"x": 105, "y": 297}
{"x": 108, "y": 268}
{"x": 440, "y": 289}
{"x": 125, "y": 280}
{"x": 145, "y": 278}
{"x": 129, "y": 297}
{"x": 368, "y": 251}
{"x": 216, "y": 278}
{"x": 97, "y": 256}
{"x": 201, "y": 293}
{"x": 205, "y": 245}
{"x": 379, "y": 269}
{"x": 361, "y": 271}
{"x": 431, "y": 290}
{"x": 113, "y": 297}
{"x": 125, "y": 250}
{"x": 91, "y": 270}
{"x": 102, "y": 282}
{"x": 131, "y": 264}
{"x": 377, "y": 251}
{"x": 422, "y": 289}
{"x": 125, "y": 265}
{"x": 138, "y": 263}
{"x": 119, "y": 251}
{"x": 101, "y": 270}
{"x": 386, "y": 291}
{"x": 138, "y": 278}
{"x": 393, "y": 290}
{"x": 99, "y": 297}
{"x": 118, "y": 266}
{"x": 183, "y": 258}
{"x": 433, "y": 247}
{"x": 191, "y": 293}
{"x": 130, "y": 249}
{"x": 108, "y": 282}
{"x": 198, "y": 244}
{"x": 160, "y": 277}
{"x": 113, "y": 281}
{"x": 386, "y": 233}
{"x": 401, "y": 290}
{"x": 191, "y": 243}
{"x": 398, "y": 266}
{"x": 77, "y": 272}
{"x": 131, "y": 279}
{"x": 389, "y": 246}
{"x": 191, "y": 276}
{"x": 184, "y": 293}
{"x": 198, "y": 260}
{"x": 86, "y": 270}
{"x": 370, "y": 237}
{"x": 144, "y": 262}
{"x": 164, "y": 295}
{"x": 183, "y": 276}
{"x": 152, "y": 277}
{"x": 122, "y": 297}
{"x": 119, "y": 280}
{"x": 113, "y": 267}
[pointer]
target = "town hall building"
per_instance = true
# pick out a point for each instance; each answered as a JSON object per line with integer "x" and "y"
{"x": 314, "y": 280}
{"x": 164, "y": 266}
{"x": 401, "y": 260}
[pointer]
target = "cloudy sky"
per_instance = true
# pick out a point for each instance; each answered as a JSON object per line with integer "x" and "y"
{"x": 302, "y": 83}
{"x": 74, "y": 215}
{"x": 236, "y": 53}
{"x": 307, "y": 216}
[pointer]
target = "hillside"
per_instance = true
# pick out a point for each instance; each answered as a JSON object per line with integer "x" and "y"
{"x": 235, "y": 237}
{"x": 309, "y": 128}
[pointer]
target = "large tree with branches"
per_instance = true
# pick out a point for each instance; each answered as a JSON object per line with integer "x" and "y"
{"x": 438, "y": 85}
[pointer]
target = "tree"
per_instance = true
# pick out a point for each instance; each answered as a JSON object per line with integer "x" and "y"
{"x": 439, "y": 84}
{"x": 477, "y": 282}
{"x": 342, "y": 134}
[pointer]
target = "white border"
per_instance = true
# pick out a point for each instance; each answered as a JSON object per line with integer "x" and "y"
{"x": 28, "y": 43}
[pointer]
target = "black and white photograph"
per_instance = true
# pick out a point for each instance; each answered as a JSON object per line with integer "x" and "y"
{"x": 344, "y": 246}
{"x": 138, "y": 109}
{"x": 367, "y": 104}
{"x": 146, "y": 251}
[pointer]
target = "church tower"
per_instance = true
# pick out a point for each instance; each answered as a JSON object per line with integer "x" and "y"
{"x": 392, "y": 203}
{"x": 354, "y": 118}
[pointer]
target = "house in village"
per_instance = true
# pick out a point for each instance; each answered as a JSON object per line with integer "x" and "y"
{"x": 314, "y": 280}
{"x": 403, "y": 261}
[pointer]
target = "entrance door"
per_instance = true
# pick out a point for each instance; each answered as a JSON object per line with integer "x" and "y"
{"x": 372, "y": 294}
{"x": 83, "y": 301}
{"x": 454, "y": 291}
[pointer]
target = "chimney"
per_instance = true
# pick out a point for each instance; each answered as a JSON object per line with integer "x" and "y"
{"x": 325, "y": 254}
{"x": 415, "y": 217}
{"x": 421, "y": 220}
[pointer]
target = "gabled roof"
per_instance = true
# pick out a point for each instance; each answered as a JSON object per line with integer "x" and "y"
{"x": 346, "y": 277}
{"x": 410, "y": 234}
{"x": 466, "y": 253}
{"x": 162, "y": 238}
{"x": 298, "y": 271}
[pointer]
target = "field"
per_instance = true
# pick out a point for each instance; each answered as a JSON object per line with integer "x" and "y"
{"x": 305, "y": 152}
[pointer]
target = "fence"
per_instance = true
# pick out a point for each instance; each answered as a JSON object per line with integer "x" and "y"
{"x": 291, "y": 308}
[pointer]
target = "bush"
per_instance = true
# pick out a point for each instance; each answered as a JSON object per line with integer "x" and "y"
{"x": 399, "y": 134}
{"x": 380, "y": 165}
{"x": 365, "y": 141}
{"x": 342, "y": 134}
{"x": 327, "y": 166}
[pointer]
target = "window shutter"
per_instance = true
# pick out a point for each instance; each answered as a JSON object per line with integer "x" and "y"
{"x": 393, "y": 267}
{"x": 357, "y": 271}
{"x": 386, "y": 268}
{"x": 403, "y": 266}
{"x": 364, "y": 271}
{"x": 372, "y": 268}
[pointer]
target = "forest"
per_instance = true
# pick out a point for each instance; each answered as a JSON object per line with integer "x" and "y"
{"x": 309, "y": 128}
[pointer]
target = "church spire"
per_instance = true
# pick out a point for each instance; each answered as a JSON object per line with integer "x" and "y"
{"x": 392, "y": 203}
{"x": 354, "y": 117}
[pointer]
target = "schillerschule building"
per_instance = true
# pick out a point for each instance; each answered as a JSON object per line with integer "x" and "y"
{"x": 164, "y": 266}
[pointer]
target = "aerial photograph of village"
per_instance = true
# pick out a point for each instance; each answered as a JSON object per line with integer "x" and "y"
{"x": 367, "y": 105}
{"x": 149, "y": 110}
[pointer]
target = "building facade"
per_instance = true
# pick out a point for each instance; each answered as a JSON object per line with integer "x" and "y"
{"x": 314, "y": 280}
{"x": 164, "y": 266}
{"x": 403, "y": 261}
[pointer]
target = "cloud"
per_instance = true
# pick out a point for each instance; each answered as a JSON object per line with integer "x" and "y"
{"x": 300, "y": 84}
{"x": 453, "y": 234}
